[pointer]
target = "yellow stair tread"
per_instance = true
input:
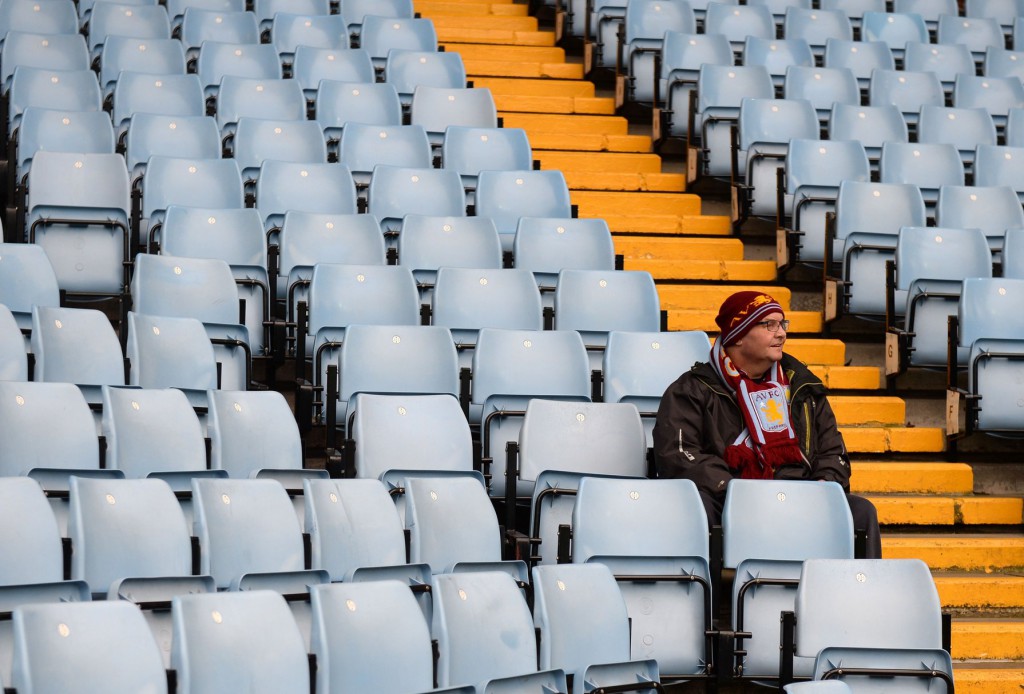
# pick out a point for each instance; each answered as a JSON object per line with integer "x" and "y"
{"x": 948, "y": 510}
{"x": 964, "y": 552}
{"x": 996, "y": 639}
{"x": 808, "y": 322}
{"x": 536, "y": 87}
{"x": 555, "y": 105}
{"x": 491, "y": 23}
{"x": 894, "y": 439}
{"x": 511, "y": 54}
{"x": 603, "y": 204}
{"x": 589, "y": 142}
{"x": 634, "y": 182}
{"x": 971, "y": 679}
{"x": 677, "y": 249}
{"x": 565, "y": 124}
{"x": 723, "y": 270}
{"x": 526, "y": 69}
{"x": 606, "y": 162}
{"x": 696, "y": 224}
{"x": 708, "y": 297}
{"x": 838, "y": 377}
{"x": 455, "y": 36}
{"x": 439, "y": 8}
{"x": 873, "y": 410}
{"x": 911, "y": 477}
{"x": 978, "y": 590}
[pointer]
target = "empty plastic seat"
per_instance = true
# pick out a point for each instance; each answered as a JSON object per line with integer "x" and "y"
{"x": 218, "y": 59}
{"x": 397, "y": 191}
{"x": 103, "y": 646}
{"x": 965, "y": 128}
{"x": 872, "y": 126}
{"x": 945, "y": 60}
{"x": 289, "y": 30}
{"x": 47, "y": 17}
{"x": 76, "y": 345}
{"x": 437, "y": 108}
{"x": 172, "y": 95}
{"x": 220, "y": 24}
{"x": 856, "y": 9}
{"x": 894, "y": 28}
{"x": 993, "y": 209}
{"x": 1000, "y": 166}
{"x": 720, "y": 90}
{"x": 167, "y": 352}
{"x": 258, "y": 140}
{"x": 157, "y": 56}
{"x": 681, "y": 58}
{"x": 584, "y": 627}
{"x": 507, "y": 196}
{"x": 363, "y": 147}
{"x": 59, "y": 131}
{"x": 824, "y": 87}
{"x": 1003, "y": 11}
{"x": 816, "y": 27}
{"x": 470, "y": 150}
{"x": 355, "y": 11}
{"x": 407, "y": 70}
{"x": 646, "y": 23}
{"x": 135, "y": 21}
{"x": 68, "y": 90}
{"x": 272, "y": 99}
{"x": 379, "y": 35}
{"x": 737, "y": 22}
{"x": 997, "y": 94}
{"x": 1000, "y": 62}
{"x": 13, "y": 358}
{"x": 908, "y": 91}
{"x": 930, "y": 10}
{"x": 258, "y": 644}
{"x": 41, "y": 51}
{"x": 266, "y": 10}
{"x": 860, "y": 57}
{"x": 285, "y": 186}
{"x": 26, "y": 280}
{"x": 77, "y": 210}
{"x": 977, "y": 33}
{"x": 548, "y": 245}
{"x": 311, "y": 65}
{"x": 777, "y": 55}
{"x": 929, "y": 166}
{"x": 428, "y": 243}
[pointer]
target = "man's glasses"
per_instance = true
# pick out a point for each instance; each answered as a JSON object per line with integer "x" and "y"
{"x": 774, "y": 325}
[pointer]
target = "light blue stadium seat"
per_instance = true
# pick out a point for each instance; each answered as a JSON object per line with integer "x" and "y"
{"x": 681, "y": 58}
{"x": 258, "y": 140}
{"x": 737, "y": 22}
{"x": 13, "y": 358}
{"x": 993, "y": 209}
{"x": 48, "y": 17}
{"x": 929, "y": 166}
{"x": 764, "y": 130}
{"x": 379, "y": 35}
{"x": 873, "y": 126}
{"x": 357, "y": 535}
{"x": 510, "y": 368}
{"x": 26, "y": 280}
{"x": 85, "y": 9}
{"x": 157, "y": 56}
{"x": 309, "y": 238}
{"x": 777, "y": 55}
{"x": 855, "y": 9}
{"x": 135, "y": 21}
{"x": 102, "y": 646}
{"x": 470, "y": 150}
{"x": 218, "y": 59}
{"x": 171, "y": 95}
{"x": 256, "y": 639}
{"x": 824, "y": 87}
{"x": 595, "y": 302}
{"x": 253, "y": 97}
{"x": 193, "y": 182}
{"x": 1000, "y": 166}
{"x": 562, "y": 442}
{"x": 929, "y": 277}
{"x": 41, "y": 51}
{"x": 355, "y": 11}
{"x": 894, "y": 28}
{"x": 153, "y": 134}
{"x": 289, "y": 30}
{"x": 438, "y": 108}
{"x": 977, "y": 33}
{"x": 397, "y": 191}
{"x": 769, "y": 529}
{"x": 76, "y": 345}
{"x": 720, "y": 90}
{"x": 965, "y": 128}
{"x": 285, "y": 186}
{"x": 838, "y": 598}
{"x": 818, "y": 687}
{"x": 428, "y": 243}
{"x": 236, "y": 237}
{"x": 168, "y": 352}
{"x": 340, "y": 103}
{"x": 407, "y": 69}
{"x": 860, "y": 57}
{"x": 1003, "y": 11}
{"x": 780, "y": 7}
{"x": 204, "y": 289}
{"x": 372, "y": 637}
{"x": 930, "y": 10}
{"x": 266, "y": 10}
{"x": 222, "y": 24}
{"x": 1001, "y": 62}
{"x": 638, "y": 367}
{"x": 998, "y": 94}
{"x": 908, "y": 91}
{"x": 466, "y": 300}
{"x": 610, "y": 523}
{"x": 507, "y": 196}
{"x": 176, "y": 9}
{"x": 77, "y": 210}
{"x": 945, "y": 60}
{"x": 486, "y": 637}
{"x": 646, "y": 22}
{"x": 452, "y": 527}
{"x": 589, "y": 643}
{"x": 994, "y": 362}
{"x": 363, "y": 147}
{"x": 311, "y": 65}
{"x": 817, "y": 27}
{"x": 868, "y": 221}
{"x": 548, "y": 245}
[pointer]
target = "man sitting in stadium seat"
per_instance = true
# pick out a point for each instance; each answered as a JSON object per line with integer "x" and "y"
{"x": 753, "y": 412}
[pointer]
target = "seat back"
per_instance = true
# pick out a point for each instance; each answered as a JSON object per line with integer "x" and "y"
{"x": 201, "y": 288}
{"x": 33, "y": 553}
{"x": 171, "y": 95}
{"x": 929, "y": 166}
{"x": 220, "y": 24}
{"x": 816, "y": 27}
{"x": 824, "y": 87}
{"x": 777, "y": 55}
{"x": 437, "y": 108}
{"x": 135, "y": 21}
{"x": 26, "y": 280}
{"x": 468, "y": 299}
{"x": 311, "y": 65}
{"x": 344, "y": 295}
{"x": 153, "y": 134}
{"x": 218, "y": 59}
{"x": 451, "y": 521}
{"x": 28, "y": 413}
{"x": 289, "y": 30}
{"x": 873, "y": 126}
{"x": 595, "y": 302}
{"x": 272, "y": 99}
{"x": 76, "y": 346}
{"x": 993, "y": 209}
{"x": 42, "y": 51}
{"x": 548, "y": 245}
{"x": 13, "y": 357}
{"x": 738, "y": 22}
{"x": 894, "y": 28}
{"x": 155, "y": 56}
{"x": 168, "y": 352}
{"x": 379, "y": 35}
{"x": 283, "y": 186}
{"x": 397, "y": 191}
{"x": 62, "y": 131}
{"x": 976, "y": 33}
{"x": 470, "y": 150}
{"x": 507, "y": 196}
{"x": 339, "y": 103}
{"x": 965, "y": 128}
{"x": 428, "y": 243}
{"x": 859, "y": 57}
{"x": 410, "y": 69}
{"x": 258, "y": 140}
{"x": 363, "y": 147}
{"x": 190, "y": 182}
{"x": 945, "y": 60}
{"x": 909, "y": 91}
{"x": 251, "y": 431}
{"x": 997, "y": 94}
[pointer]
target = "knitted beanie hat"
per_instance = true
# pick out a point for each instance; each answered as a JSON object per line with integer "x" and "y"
{"x": 741, "y": 312}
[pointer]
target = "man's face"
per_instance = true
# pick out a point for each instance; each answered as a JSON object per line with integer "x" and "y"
{"x": 759, "y": 347}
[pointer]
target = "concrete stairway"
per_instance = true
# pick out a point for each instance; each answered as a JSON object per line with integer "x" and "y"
{"x": 974, "y": 543}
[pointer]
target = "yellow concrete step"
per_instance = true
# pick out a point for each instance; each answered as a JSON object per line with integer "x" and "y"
{"x": 527, "y": 69}
{"x": 709, "y": 297}
{"x": 536, "y": 87}
{"x": 677, "y": 249}
{"x": 562, "y": 105}
{"x": 873, "y": 410}
{"x": 606, "y": 204}
{"x": 721, "y": 270}
{"x": 438, "y": 8}
{"x": 634, "y": 182}
{"x": 948, "y": 510}
{"x": 801, "y": 322}
{"x": 588, "y": 142}
{"x": 455, "y": 36}
{"x": 962, "y": 552}
{"x": 988, "y": 639}
{"x": 811, "y": 350}
{"x": 970, "y": 591}
{"x": 605, "y": 162}
{"x": 509, "y": 54}
{"x": 971, "y": 679}
{"x": 697, "y": 225}
{"x": 894, "y": 477}
{"x": 849, "y": 377}
{"x": 894, "y": 439}
{"x": 472, "y": 24}
{"x": 565, "y": 124}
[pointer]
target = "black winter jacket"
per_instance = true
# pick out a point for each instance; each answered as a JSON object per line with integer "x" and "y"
{"x": 699, "y": 418}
